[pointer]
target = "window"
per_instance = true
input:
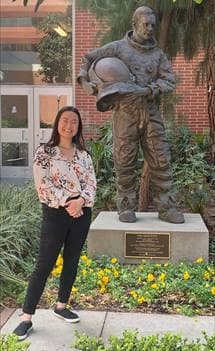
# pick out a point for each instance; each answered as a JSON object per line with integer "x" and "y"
{"x": 18, "y": 47}
{"x": 20, "y": 21}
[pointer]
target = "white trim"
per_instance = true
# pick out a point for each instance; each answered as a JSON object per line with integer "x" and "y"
{"x": 19, "y": 135}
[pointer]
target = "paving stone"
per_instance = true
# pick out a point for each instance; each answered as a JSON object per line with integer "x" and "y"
{"x": 53, "y": 334}
{"x": 148, "y": 324}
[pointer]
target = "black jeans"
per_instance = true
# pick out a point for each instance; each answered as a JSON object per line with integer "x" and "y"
{"x": 58, "y": 230}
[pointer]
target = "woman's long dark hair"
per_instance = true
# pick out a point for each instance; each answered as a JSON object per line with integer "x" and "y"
{"x": 77, "y": 139}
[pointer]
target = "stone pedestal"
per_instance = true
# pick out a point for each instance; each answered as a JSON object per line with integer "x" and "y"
{"x": 187, "y": 241}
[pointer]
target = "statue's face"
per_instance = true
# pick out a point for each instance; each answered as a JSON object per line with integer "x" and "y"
{"x": 144, "y": 27}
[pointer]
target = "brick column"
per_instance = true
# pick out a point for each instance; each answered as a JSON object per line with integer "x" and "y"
{"x": 86, "y": 28}
{"x": 194, "y": 98}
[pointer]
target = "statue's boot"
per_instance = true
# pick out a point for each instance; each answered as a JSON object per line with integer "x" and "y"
{"x": 126, "y": 205}
{"x": 171, "y": 215}
{"x": 167, "y": 209}
{"x": 163, "y": 197}
{"x": 127, "y": 216}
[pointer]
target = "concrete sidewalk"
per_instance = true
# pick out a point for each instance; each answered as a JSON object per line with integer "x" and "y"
{"x": 53, "y": 334}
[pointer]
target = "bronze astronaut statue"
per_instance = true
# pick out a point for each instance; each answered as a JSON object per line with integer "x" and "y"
{"x": 127, "y": 76}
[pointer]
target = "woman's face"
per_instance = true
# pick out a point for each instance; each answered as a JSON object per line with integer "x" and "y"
{"x": 68, "y": 125}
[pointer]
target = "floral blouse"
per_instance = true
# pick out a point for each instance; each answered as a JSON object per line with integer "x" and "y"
{"x": 56, "y": 179}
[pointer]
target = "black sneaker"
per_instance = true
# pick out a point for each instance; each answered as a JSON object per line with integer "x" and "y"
{"x": 67, "y": 315}
{"x": 23, "y": 330}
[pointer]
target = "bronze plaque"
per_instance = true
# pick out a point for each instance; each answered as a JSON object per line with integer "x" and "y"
{"x": 147, "y": 245}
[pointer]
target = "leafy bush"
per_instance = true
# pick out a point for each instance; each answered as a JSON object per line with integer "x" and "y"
{"x": 193, "y": 176}
{"x": 11, "y": 343}
{"x": 102, "y": 155}
{"x": 19, "y": 221}
{"x": 131, "y": 341}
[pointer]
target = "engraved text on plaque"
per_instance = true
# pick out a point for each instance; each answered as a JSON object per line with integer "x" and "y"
{"x": 147, "y": 245}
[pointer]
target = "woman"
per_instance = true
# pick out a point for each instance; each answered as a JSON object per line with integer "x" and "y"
{"x": 65, "y": 181}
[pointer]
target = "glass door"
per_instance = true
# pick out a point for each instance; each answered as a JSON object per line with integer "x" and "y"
{"x": 16, "y": 119}
{"x": 47, "y": 102}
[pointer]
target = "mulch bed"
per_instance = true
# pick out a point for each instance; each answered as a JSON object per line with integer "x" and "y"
{"x": 166, "y": 304}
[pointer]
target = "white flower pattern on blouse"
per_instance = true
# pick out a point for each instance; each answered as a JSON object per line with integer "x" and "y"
{"x": 56, "y": 178}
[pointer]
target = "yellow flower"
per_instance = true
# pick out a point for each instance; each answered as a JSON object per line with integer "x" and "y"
{"x": 84, "y": 258}
{"x": 154, "y": 286}
{"x": 58, "y": 269}
{"x": 88, "y": 262}
{"x": 105, "y": 279}
{"x": 211, "y": 270}
{"x": 186, "y": 275}
{"x": 178, "y": 310}
{"x": 53, "y": 273}
{"x": 59, "y": 261}
{"x": 114, "y": 260}
{"x": 115, "y": 273}
{"x": 206, "y": 276}
{"x": 199, "y": 260}
{"x": 141, "y": 299}
{"x": 133, "y": 294}
{"x": 102, "y": 290}
{"x": 100, "y": 273}
{"x": 74, "y": 290}
{"x": 84, "y": 272}
{"x": 158, "y": 265}
{"x": 150, "y": 277}
{"x": 162, "y": 277}
{"x": 166, "y": 264}
{"x": 213, "y": 290}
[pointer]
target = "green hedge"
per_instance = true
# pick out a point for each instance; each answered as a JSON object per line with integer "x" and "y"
{"x": 131, "y": 341}
{"x": 11, "y": 343}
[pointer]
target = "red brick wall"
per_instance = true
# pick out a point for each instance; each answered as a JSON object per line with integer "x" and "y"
{"x": 86, "y": 29}
{"x": 194, "y": 99}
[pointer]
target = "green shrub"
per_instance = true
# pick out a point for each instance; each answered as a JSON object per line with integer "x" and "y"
{"x": 102, "y": 154}
{"x": 19, "y": 221}
{"x": 131, "y": 341}
{"x": 193, "y": 176}
{"x": 11, "y": 343}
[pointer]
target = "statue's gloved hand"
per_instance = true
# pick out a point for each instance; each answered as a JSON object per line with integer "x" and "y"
{"x": 89, "y": 87}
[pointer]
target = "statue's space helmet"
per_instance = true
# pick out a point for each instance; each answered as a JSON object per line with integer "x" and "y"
{"x": 112, "y": 78}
